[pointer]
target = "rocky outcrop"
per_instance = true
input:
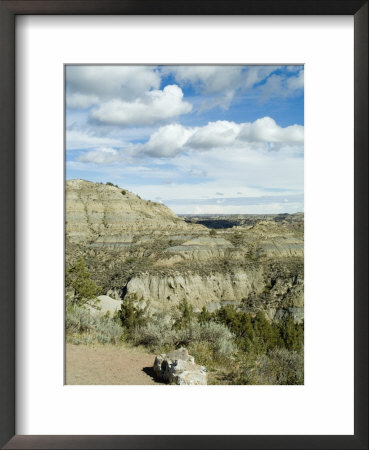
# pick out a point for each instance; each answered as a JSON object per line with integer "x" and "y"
{"x": 106, "y": 304}
{"x": 178, "y": 367}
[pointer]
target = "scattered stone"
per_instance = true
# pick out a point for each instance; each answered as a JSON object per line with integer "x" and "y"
{"x": 178, "y": 367}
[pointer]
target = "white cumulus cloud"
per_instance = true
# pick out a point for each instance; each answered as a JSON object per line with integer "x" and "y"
{"x": 167, "y": 140}
{"x": 215, "y": 134}
{"x": 154, "y": 106}
{"x": 266, "y": 130}
{"x": 100, "y": 156}
{"x": 171, "y": 140}
{"x": 93, "y": 82}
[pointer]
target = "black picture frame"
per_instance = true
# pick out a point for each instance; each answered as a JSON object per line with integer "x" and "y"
{"x": 8, "y": 12}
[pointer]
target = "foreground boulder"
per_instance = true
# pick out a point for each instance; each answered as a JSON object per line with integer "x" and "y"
{"x": 178, "y": 367}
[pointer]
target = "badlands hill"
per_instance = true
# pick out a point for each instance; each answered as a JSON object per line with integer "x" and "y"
{"x": 139, "y": 248}
{"x": 104, "y": 213}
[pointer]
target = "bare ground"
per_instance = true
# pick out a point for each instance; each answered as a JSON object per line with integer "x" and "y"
{"x": 108, "y": 365}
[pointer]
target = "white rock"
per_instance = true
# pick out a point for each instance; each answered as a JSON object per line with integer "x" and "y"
{"x": 179, "y": 367}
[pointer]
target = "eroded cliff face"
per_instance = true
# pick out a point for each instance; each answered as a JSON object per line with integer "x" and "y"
{"x": 252, "y": 289}
{"x": 138, "y": 248}
{"x": 210, "y": 290}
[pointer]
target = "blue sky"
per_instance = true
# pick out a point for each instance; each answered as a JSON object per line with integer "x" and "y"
{"x": 200, "y": 139}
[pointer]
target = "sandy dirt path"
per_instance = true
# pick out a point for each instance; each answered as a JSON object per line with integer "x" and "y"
{"x": 108, "y": 365}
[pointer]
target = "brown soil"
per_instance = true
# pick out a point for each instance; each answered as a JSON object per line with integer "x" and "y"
{"x": 108, "y": 365}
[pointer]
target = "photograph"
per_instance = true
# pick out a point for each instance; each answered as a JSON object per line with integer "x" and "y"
{"x": 168, "y": 141}
{"x": 184, "y": 224}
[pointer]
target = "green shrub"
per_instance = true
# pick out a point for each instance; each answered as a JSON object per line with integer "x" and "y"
{"x": 265, "y": 334}
{"x": 188, "y": 333}
{"x": 279, "y": 366}
{"x": 131, "y": 315}
{"x": 256, "y": 333}
{"x": 84, "y": 327}
{"x": 107, "y": 330}
{"x": 124, "y": 192}
{"x": 155, "y": 334}
{"x": 85, "y": 290}
{"x": 212, "y": 232}
{"x": 159, "y": 332}
{"x": 77, "y": 319}
{"x": 239, "y": 323}
{"x": 204, "y": 316}
{"x": 219, "y": 337}
{"x": 213, "y": 346}
{"x": 186, "y": 315}
{"x": 292, "y": 333}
